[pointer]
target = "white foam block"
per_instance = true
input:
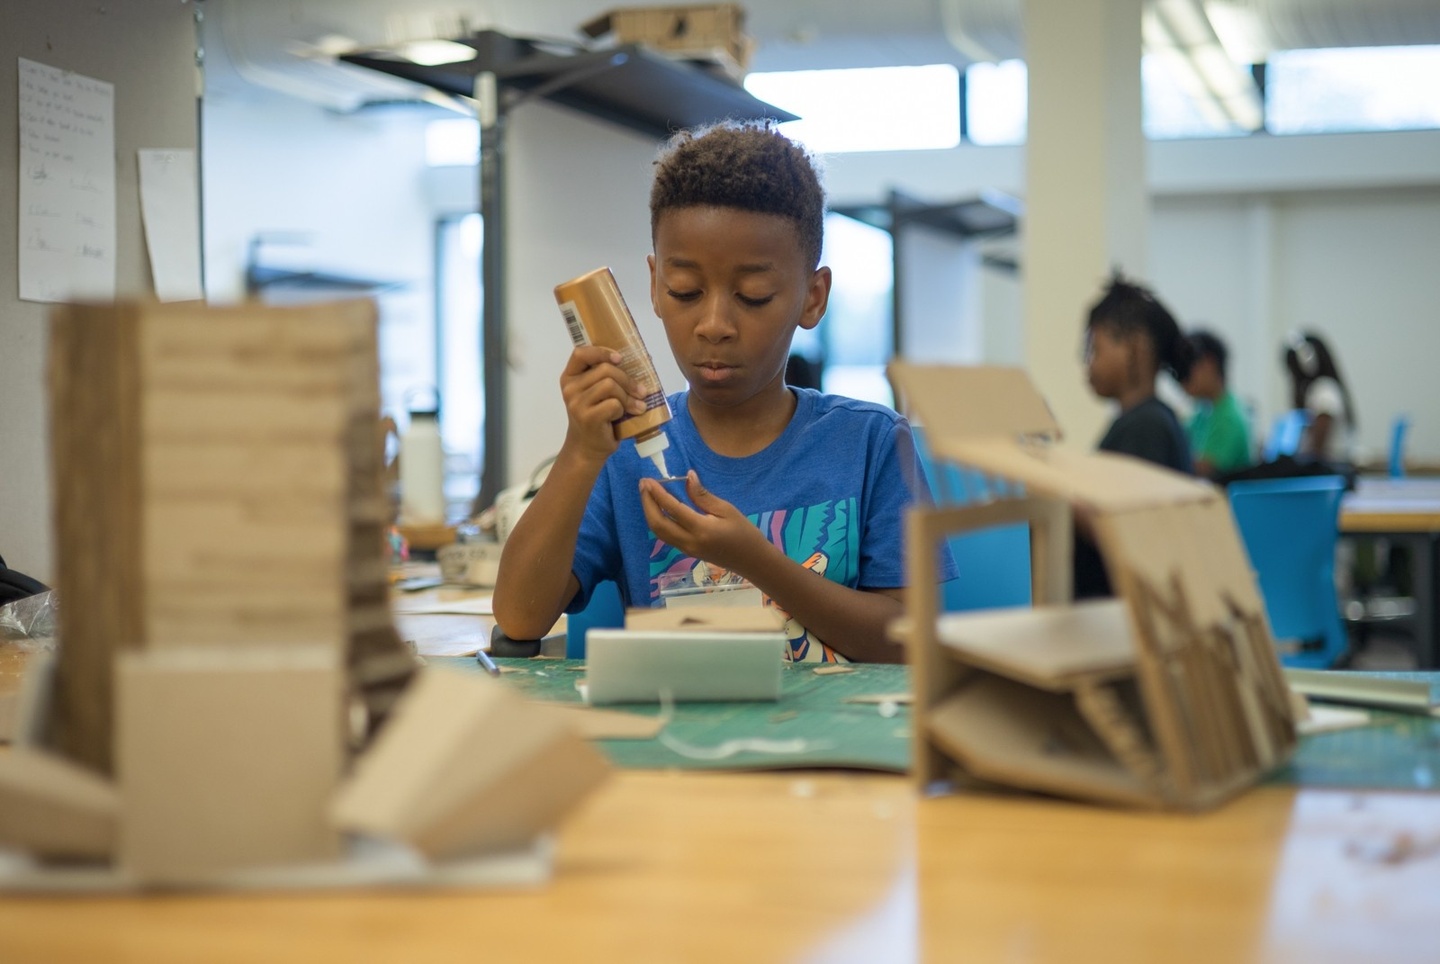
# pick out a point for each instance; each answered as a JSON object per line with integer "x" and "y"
{"x": 637, "y": 666}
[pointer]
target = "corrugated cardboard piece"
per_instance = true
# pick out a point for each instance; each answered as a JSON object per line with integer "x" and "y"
{"x": 227, "y": 643}
{"x": 709, "y": 31}
{"x": 466, "y": 766}
{"x": 1170, "y": 695}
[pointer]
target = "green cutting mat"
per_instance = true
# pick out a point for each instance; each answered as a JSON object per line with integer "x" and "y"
{"x": 810, "y": 724}
{"x": 1398, "y": 752}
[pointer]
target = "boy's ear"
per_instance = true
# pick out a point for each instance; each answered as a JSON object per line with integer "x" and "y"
{"x": 654, "y": 295}
{"x": 817, "y": 298}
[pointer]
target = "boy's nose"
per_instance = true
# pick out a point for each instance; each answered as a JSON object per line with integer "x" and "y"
{"x": 715, "y": 322}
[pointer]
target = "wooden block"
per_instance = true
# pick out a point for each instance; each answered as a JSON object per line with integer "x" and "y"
{"x": 227, "y": 759}
{"x": 733, "y": 619}
{"x": 464, "y": 766}
{"x": 50, "y": 807}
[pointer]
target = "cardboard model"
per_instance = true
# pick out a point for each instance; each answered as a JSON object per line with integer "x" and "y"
{"x": 1169, "y": 695}
{"x": 226, "y": 645}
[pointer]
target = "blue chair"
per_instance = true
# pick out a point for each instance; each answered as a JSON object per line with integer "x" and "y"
{"x": 1290, "y": 528}
{"x": 1286, "y": 434}
{"x": 604, "y": 611}
{"x": 1398, "y": 431}
{"x": 993, "y": 564}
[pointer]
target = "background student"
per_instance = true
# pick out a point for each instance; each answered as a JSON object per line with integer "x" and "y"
{"x": 1317, "y": 388}
{"x": 1219, "y": 432}
{"x": 1129, "y": 338}
{"x": 799, "y": 493}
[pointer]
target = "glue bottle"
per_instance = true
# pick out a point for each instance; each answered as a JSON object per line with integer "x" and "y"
{"x": 595, "y": 314}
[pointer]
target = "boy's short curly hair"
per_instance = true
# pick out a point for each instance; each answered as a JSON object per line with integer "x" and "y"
{"x": 750, "y": 166}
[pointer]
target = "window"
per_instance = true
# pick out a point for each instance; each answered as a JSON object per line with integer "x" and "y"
{"x": 867, "y": 109}
{"x": 995, "y": 106}
{"x": 457, "y": 306}
{"x": 1353, "y": 89}
{"x": 454, "y": 140}
{"x": 855, "y": 339}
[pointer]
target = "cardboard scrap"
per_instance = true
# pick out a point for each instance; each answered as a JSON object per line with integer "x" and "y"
{"x": 227, "y": 759}
{"x": 465, "y": 767}
{"x": 53, "y": 808}
{"x": 594, "y": 723}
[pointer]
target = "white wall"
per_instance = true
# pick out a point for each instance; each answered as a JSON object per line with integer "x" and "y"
{"x": 578, "y": 199}
{"x": 146, "y": 49}
{"x": 1254, "y": 238}
{"x": 940, "y": 297}
{"x": 353, "y": 185}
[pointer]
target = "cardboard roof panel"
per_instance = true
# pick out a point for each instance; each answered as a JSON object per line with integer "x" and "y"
{"x": 987, "y": 402}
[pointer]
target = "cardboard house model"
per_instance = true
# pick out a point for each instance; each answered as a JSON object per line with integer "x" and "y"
{"x": 227, "y": 655}
{"x": 1168, "y": 695}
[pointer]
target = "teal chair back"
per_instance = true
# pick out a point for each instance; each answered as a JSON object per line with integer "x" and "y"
{"x": 604, "y": 611}
{"x": 1286, "y": 434}
{"x": 994, "y": 563}
{"x": 1398, "y": 431}
{"x": 1290, "y": 528}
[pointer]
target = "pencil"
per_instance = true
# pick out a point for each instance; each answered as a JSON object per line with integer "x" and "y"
{"x": 483, "y": 658}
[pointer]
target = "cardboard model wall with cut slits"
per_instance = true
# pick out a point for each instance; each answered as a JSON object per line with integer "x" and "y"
{"x": 1168, "y": 695}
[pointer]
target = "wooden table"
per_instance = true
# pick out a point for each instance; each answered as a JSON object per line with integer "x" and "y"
{"x": 1405, "y": 511}
{"x": 842, "y": 867}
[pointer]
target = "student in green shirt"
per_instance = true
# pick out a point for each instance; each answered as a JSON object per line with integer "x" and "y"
{"x": 1219, "y": 434}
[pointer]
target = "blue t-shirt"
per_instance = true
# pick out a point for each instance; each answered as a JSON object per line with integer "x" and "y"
{"x": 830, "y": 492}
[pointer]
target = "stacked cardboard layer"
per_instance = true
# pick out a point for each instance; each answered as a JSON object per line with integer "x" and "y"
{"x": 226, "y": 642}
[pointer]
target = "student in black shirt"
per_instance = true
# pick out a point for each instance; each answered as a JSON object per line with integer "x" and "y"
{"x": 1130, "y": 337}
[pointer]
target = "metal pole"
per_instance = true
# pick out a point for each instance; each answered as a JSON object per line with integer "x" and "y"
{"x": 494, "y": 334}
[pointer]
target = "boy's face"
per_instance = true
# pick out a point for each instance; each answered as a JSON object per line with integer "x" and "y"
{"x": 1109, "y": 360}
{"x": 1204, "y": 380}
{"x": 731, "y": 287}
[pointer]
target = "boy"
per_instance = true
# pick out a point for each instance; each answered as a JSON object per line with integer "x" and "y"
{"x": 801, "y": 494}
{"x": 1219, "y": 435}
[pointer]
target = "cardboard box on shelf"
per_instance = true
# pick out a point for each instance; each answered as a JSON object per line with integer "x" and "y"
{"x": 709, "y": 32}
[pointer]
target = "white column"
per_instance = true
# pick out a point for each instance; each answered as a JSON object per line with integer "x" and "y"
{"x": 1086, "y": 200}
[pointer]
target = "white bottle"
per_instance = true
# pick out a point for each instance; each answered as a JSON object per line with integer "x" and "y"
{"x": 422, "y": 471}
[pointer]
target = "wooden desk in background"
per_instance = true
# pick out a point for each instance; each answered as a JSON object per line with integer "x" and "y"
{"x": 826, "y": 866}
{"x": 1405, "y": 511}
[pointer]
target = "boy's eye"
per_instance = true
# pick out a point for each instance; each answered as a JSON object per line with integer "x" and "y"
{"x": 756, "y": 302}
{"x": 683, "y": 295}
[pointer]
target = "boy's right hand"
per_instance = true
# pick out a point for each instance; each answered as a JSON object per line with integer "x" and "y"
{"x": 597, "y": 392}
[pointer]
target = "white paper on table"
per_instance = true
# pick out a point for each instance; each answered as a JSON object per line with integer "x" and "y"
{"x": 478, "y": 606}
{"x": 67, "y": 185}
{"x": 170, "y": 209}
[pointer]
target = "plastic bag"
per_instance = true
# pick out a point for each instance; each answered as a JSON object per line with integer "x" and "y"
{"x": 31, "y": 619}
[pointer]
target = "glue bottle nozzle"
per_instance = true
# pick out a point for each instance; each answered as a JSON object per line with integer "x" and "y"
{"x": 653, "y": 447}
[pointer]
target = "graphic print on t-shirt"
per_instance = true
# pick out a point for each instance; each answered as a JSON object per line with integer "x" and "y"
{"x": 823, "y": 538}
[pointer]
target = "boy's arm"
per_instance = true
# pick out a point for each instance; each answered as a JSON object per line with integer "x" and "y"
{"x": 535, "y": 582}
{"x": 851, "y": 621}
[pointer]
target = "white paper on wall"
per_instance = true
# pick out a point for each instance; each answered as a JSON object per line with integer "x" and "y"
{"x": 67, "y": 185}
{"x": 170, "y": 208}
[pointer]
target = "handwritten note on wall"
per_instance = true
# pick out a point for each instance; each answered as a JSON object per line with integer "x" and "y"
{"x": 67, "y": 185}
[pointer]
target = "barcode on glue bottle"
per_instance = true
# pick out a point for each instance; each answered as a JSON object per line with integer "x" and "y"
{"x": 572, "y": 324}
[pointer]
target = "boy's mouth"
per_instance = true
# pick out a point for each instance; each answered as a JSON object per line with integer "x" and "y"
{"x": 715, "y": 371}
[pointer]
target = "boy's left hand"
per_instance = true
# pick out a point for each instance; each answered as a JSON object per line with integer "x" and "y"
{"x": 718, "y": 533}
